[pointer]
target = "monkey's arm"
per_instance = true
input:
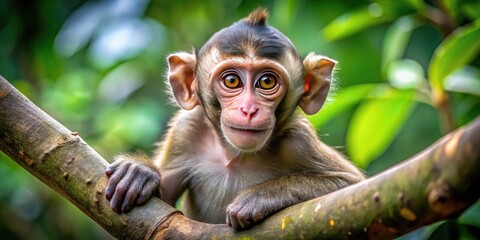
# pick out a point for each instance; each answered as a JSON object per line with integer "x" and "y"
{"x": 259, "y": 201}
{"x": 173, "y": 184}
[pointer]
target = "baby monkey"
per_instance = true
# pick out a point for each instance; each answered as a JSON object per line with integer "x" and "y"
{"x": 239, "y": 149}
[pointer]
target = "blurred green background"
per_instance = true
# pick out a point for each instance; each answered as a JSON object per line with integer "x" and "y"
{"x": 408, "y": 73}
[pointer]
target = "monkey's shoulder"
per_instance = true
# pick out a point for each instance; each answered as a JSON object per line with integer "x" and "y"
{"x": 191, "y": 137}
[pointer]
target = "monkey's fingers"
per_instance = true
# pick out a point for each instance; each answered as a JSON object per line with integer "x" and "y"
{"x": 132, "y": 193}
{"x": 115, "y": 177}
{"x": 110, "y": 169}
{"x": 121, "y": 189}
{"x": 239, "y": 217}
{"x": 148, "y": 188}
{"x": 238, "y": 224}
{"x": 247, "y": 210}
{"x": 232, "y": 221}
{"x": 229, "y": 221}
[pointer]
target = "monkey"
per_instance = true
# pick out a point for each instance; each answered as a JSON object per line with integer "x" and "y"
{"x": 239, "y": 149}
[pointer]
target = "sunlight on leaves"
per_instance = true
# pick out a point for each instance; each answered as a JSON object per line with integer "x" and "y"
{"x": 136, "y": 122}
{"x": 396, "y": 41}
{"x": 376, "y": 122}
{"x": 451, "y": 6}
{"x": 457, "y": 50}
{"x": 406, "y": 74}
{"x": 123, "y": 39}
{"x": 355, "y": 21}
{"x": 81, "y": 26}
{"x": 121, "y": 82}
{"x": 471, "y": 10}
{"x": 471, "y": 217}
{"x": 343, "y": 100}
{"x": 465, "y": 80}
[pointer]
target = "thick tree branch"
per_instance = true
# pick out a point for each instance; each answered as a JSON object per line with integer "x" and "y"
{"x": 437, "y": 184}
{"x": 63, "y": 161}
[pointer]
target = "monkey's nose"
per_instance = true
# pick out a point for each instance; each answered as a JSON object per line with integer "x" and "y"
{"x": 249, "y": 112}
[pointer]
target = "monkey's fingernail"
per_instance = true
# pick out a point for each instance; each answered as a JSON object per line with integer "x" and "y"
{"x": 108, "y": 173}
{"x": 116, "y": 209}
{"x": 126, "y": 208}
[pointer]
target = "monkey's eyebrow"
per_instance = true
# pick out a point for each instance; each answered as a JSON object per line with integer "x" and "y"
{"x": 271, "y": 50}
{"x": 249, "y": 58}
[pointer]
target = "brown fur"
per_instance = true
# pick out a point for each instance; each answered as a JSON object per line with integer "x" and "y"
{"x": 257, "y": 17}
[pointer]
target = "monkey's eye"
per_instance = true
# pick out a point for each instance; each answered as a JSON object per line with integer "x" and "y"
{"x": 267, "y": 81}
{"x": 232, "y": 81}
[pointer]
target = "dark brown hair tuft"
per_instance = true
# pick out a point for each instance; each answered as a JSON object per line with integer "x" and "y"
{"x": 257, "y": 17}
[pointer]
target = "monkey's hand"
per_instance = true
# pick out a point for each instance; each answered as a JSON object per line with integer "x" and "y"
{"x": 130, "y": 183}
{"x": 252, "y": 206}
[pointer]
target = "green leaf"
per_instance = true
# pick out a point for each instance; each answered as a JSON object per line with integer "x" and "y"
{"x": 465, "y": 80}
{"x": 406, "y": 74}
{"x": 402, "y": 6}
{"x": 396, "y": 41}
{"x": 418, "y": 4}
{"x": 135, "y": 122}
{"x": 457, "y": 50}
{"x": 471, "y": 216}
{"x": 376, "y": 122}
{"x": 356, "y": 21}
{"x": 470, "y": 10}
{"x": 344, "y": 99}
{"x": 283, "y": 12}
{"x": 451, "y": 6}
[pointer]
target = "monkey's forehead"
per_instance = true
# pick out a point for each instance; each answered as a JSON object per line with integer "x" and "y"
{"x": 215, "y": 59}
{"x": 244, "y": 39}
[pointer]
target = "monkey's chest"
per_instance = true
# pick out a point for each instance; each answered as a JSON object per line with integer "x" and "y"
{"x": 213, "y": 186}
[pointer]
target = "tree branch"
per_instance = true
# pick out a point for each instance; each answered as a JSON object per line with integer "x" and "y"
{"x": 437, "y": 184}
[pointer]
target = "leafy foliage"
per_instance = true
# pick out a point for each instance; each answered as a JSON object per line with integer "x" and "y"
{"x": 453, "y": 67}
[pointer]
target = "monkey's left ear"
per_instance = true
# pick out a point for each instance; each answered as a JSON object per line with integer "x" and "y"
{"x": 318, "y": 74}
{"x": 181, "y": 76}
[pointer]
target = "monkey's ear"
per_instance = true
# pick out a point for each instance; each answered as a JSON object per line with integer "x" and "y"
{"x": 318, "y": 74}
{"x": 181, "y": 76}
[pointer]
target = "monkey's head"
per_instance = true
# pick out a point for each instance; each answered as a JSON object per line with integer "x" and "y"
{"x": 249, "y": 78}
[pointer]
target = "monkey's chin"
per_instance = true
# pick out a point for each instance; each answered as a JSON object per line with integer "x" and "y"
{"x": 246, "y": 140}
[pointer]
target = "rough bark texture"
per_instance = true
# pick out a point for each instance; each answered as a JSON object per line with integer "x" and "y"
{"x": 63, "y": 161}
{"x": 437, "y": 184}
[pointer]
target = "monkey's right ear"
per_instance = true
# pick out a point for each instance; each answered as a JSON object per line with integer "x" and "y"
{"x": 181, "y": 76}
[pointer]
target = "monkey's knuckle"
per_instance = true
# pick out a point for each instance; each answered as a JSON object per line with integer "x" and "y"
{"x": 130, "y": 199}
{"x": 244, "y": 223}
{"x": 155, "y": 183}
{"x": 121, "y": 189}
{"x": 234, "y": 213}
{"x": 138, "y": 167}
{"x": 144, "y": 170}
{"x": 153, "y": 178}
{"x": 136, "y": 170}
{"x": 258, "y": 214}
{"x": 155, "y": 174}
{"x": 124, "y": 165}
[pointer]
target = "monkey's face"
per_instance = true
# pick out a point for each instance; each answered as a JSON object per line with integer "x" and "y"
{"x": 249, "y": 79}
{"x": 249, "y": 91}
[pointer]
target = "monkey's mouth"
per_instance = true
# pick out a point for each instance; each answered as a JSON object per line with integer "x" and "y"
{"x": 246, "y": 138}
{"x": 248, "y": 130}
